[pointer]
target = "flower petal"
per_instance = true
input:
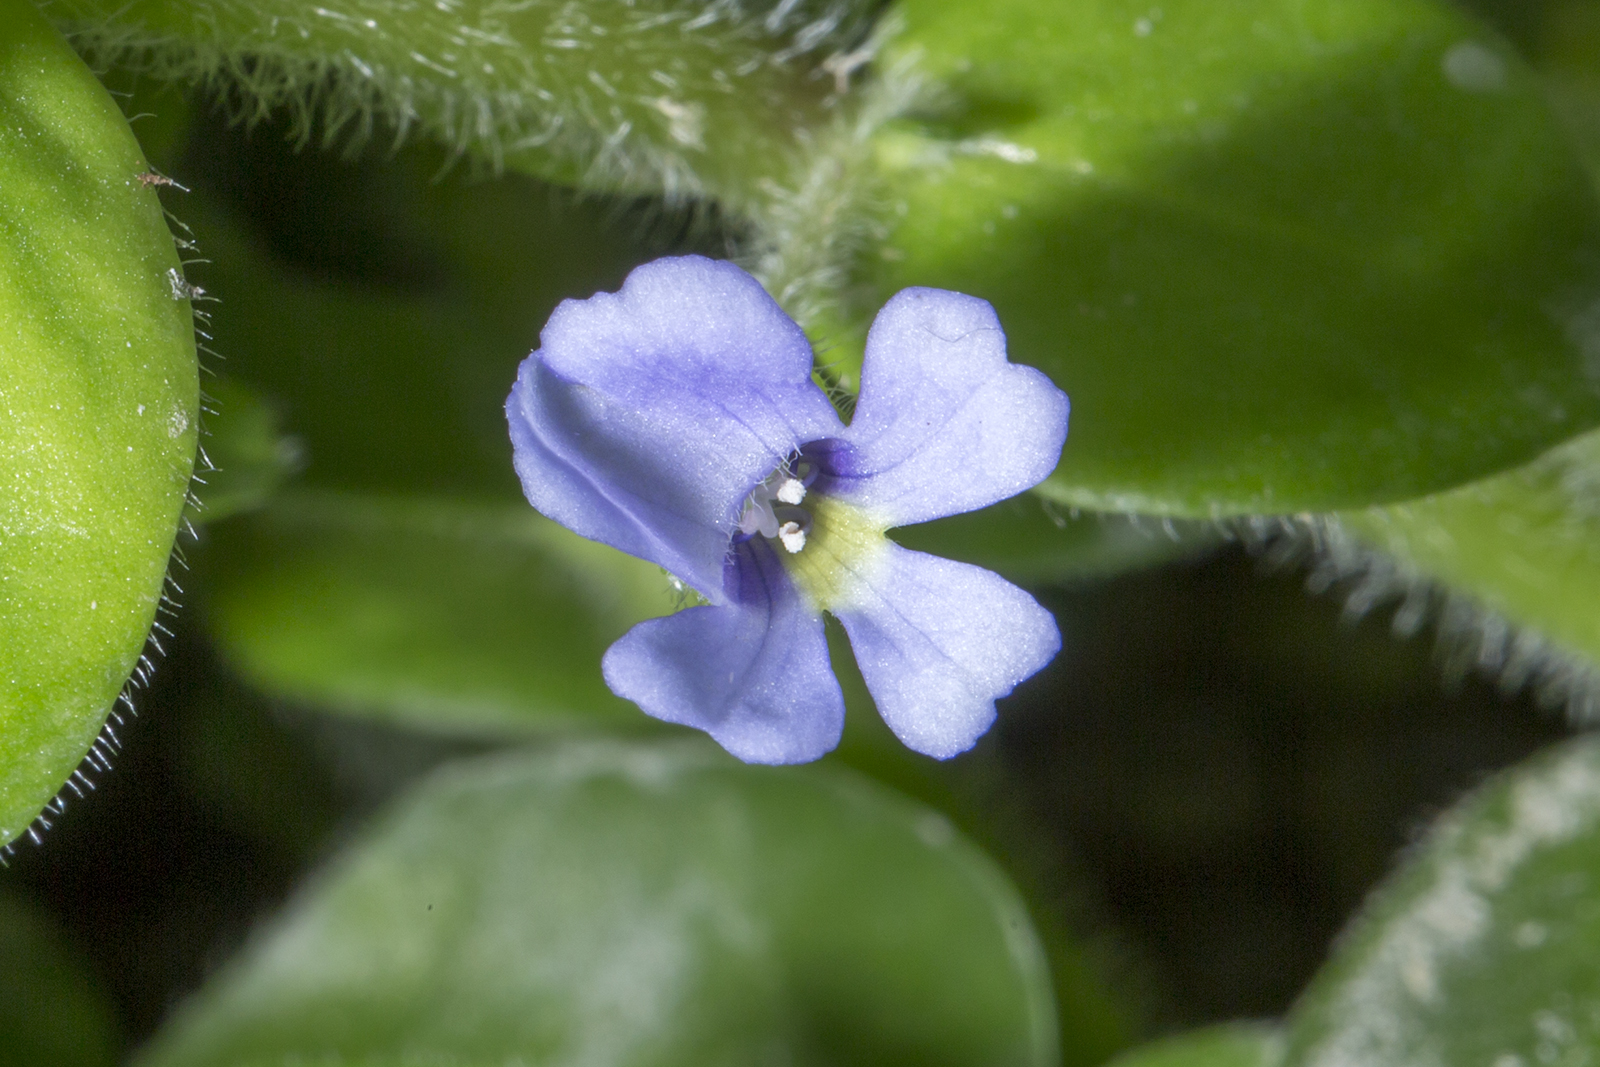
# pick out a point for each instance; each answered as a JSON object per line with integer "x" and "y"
{"x": 647, "y": 415}
{"x": 944, "y": 423}
{"x": 753, "y": 673}
{"x": 938, "y": 642}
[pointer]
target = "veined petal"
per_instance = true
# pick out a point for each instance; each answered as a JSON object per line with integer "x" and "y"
{"x": 753, "y": 673}
{"x": 944, "y": 423}
{"x": 647, "y": 415}
{"x": 938, "y": 642}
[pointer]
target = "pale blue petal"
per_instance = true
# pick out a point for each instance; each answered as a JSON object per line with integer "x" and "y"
{"x": 753, "y": 673}
{"x": 944, "y": 423}
{"x": 647, "y": 415}
{"x": 938, "y": 642}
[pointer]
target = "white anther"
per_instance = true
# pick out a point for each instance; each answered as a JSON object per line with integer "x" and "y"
{"x": 792, "y": 536}
{"x": 792, "y": 491}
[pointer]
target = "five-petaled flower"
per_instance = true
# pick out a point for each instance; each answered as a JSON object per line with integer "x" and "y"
{"x": 677, "y": 420}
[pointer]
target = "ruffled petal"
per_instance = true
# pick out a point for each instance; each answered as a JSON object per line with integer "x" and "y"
{"x": 647, "y": 415}
{"x": 944, "y": 423}
{"x": 938, "y": 642}
{"x": 754, "y": 673}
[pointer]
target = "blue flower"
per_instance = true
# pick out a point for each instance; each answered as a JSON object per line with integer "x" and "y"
{"x": 677, "y": 420}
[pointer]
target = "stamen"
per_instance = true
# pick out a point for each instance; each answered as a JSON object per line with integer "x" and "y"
{"x": 770, "y": 508}
{"x": 792, "y": 536}
{"x": 792, "y": 491}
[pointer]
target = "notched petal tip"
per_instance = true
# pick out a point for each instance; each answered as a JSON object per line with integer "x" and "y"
{"x": 938, "y": 642}
{"x": 682, "y": 319}
{"x": 945, "y": 422}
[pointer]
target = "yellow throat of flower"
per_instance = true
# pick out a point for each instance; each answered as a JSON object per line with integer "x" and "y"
{"x": 842, "y": 544}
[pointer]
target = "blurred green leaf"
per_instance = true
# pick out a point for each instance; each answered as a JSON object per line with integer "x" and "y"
{"x": 381, "y": 313}
{"x": 1525, "y": 545}
{"x": 639, "y": 905}
{"x": 244, "y": 458}
{"x": 1562, "y": 39}
{"x": 1283, "y": 254}
{"x": 440, "y": 613}
{"x": 51, "y": 1012}
{"x": 97, "y": 409}
{"x": 649, "y": 97}
{"x": 252, "y": 772}
{"x": 1481, "y": 948}
{"x": 1096, "y": 1024}
{"x": 1225, "y": 1045}
{"x": 1031, "y": 540}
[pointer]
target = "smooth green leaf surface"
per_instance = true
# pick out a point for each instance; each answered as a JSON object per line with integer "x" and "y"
{"x": 1227, "y": 1045}
{"x": 650, "y": 97}
{"x": 1482, "y": 948}
{"x": 97, "y": 409}
{"x": 1525, "y": 545}
{"x": 50, "y": 1009}
{"x": 1283, "y": 254}
{"x": 442, "y": 613}
{"x": 632, "y": 906}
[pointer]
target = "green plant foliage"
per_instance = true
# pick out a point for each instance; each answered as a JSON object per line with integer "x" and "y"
{"x": 97, "y": 409}
{"x": 50, "y": 1010}
{"x": 412, "y": 590}
{"x": 1481, "y": 948}
{"x": 646, "y": 97}
{"x": 244, "y": 457}
{"x": 1562, "y": 40}
{"x": 1283, "y": 255}
{"x": 1524, "y": 545}
{"x": 441, "y": 613}
{"x": 639, "y": 905}
{"x": 1226, "y": 1045}
{"x": 1031, "y": 540}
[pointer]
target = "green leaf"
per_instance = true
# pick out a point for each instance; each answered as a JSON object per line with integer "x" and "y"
{"x": 652, "y": 97}
{"x": 245, "y": 459}
{"x": 1523, "y": 545}
{"x": 639, "y": 906}
{"x": 1030, "y": 540}
{"x": 50, "y": 1010}
{"x": 385, "y": 312}
{"x": 1225, "y": 1045}
{"x": 1284, "y": 254}
{"x": 444, "y": 614}
{"x": 1481, "y": 948}
{"x": 97, "y": 409}
{"x": 1562, "y": 40}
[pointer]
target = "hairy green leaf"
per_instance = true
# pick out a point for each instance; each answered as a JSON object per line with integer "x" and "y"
{"x": 633, "y": 906}
{"x": 1520, "y": 548}
{"x": 1481, "y": 948}
{"x": 97, "y": 409}
{"x": 653, "y": 97}
{"x": 1283, "y": 254}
